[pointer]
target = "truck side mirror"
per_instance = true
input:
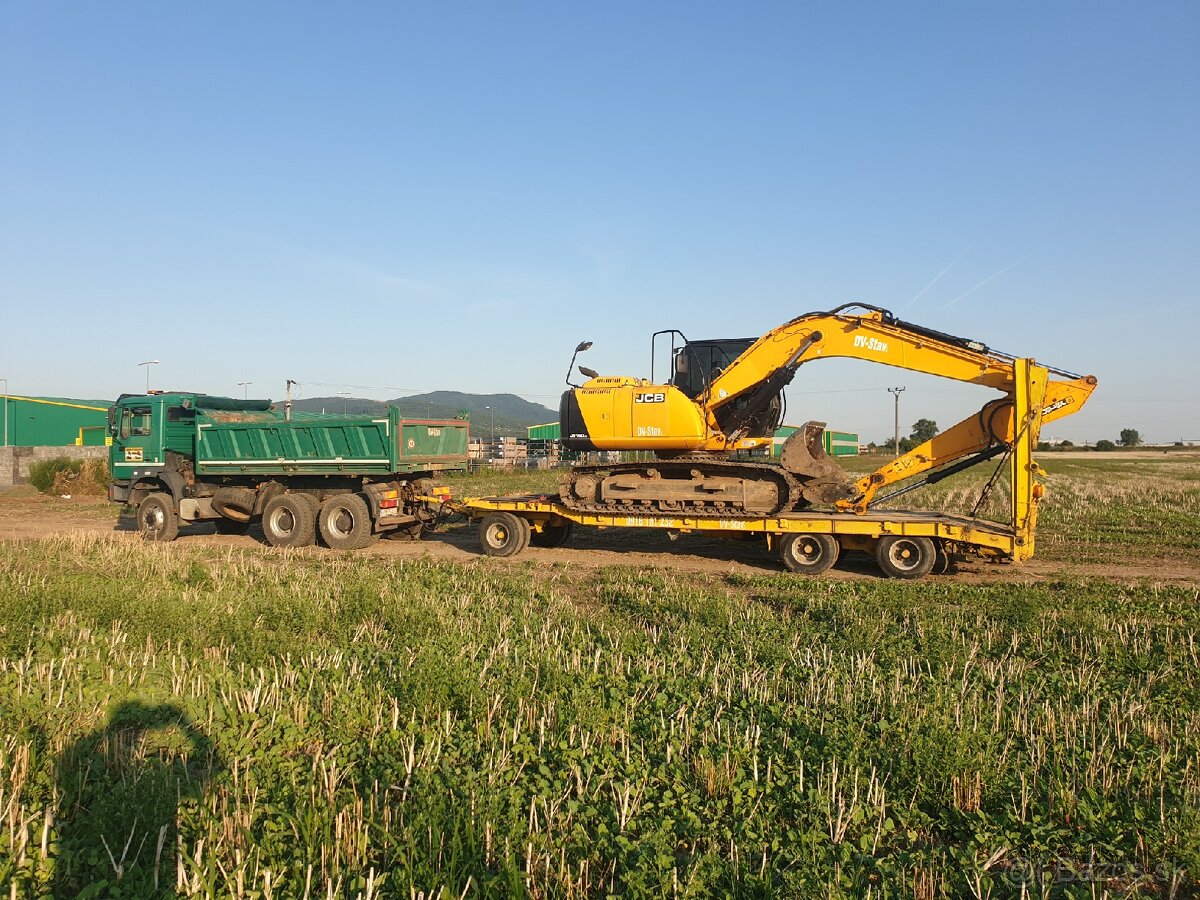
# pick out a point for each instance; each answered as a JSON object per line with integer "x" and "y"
{"x": 112, "y": 421}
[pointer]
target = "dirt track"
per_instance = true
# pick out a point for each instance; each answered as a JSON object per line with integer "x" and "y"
{"x": 26, "y": 514}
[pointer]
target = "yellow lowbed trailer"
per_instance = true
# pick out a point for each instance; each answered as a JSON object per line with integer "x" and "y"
{"x": 905, "y": 544}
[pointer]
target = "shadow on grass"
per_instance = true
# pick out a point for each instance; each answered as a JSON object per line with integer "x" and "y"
{"x": 123, "y": 789}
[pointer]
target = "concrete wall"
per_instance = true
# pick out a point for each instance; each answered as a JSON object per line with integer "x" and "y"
{"x": 15, "y": 461}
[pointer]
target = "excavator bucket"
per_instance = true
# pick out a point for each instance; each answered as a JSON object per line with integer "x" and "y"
{"x": 803, "y": 455}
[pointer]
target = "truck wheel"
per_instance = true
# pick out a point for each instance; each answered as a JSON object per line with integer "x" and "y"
{"x": 809, "y": 554}
{"x": 903, "y": 556}
{"x": 503, "y": 534}
{"x": 551, "y": 535}
{"x": 345, "y": 522}
{"x": 157, "y": 520}
{"x": 288, "y": 522}
{"x": 314, "y": 502}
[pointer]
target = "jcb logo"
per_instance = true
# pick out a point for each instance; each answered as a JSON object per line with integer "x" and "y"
{"x": 650, "y": 398}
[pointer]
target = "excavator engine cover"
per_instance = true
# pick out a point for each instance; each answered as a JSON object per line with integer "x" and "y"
{"x": 803, "y": 455}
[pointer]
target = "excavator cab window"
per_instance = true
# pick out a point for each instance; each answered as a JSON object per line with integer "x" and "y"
{"x": 697, "y": 363}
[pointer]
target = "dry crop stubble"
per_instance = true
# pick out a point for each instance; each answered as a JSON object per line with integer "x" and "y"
{"x": 344, "y": 725}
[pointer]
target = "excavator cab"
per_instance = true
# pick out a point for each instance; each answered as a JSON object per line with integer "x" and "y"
{"x": 697, "y": 363}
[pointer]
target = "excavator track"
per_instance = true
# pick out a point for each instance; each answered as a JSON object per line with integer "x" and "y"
{"x": 699, "y": 486}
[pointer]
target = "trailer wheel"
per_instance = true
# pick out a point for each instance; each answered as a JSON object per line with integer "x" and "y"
{"x": 552, "y": 535}
{"x": 345, "y": 522}
{"x": 503, "y": 534}
{"x": 903, "y": 556}
{"x": 157, "y": 520}
{"x": 288, "y": 522}
{"x": 809, "y": 554}
{"x": 944, "y": 563}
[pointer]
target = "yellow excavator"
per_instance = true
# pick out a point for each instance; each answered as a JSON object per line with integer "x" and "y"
{"x": 725, "y": 396}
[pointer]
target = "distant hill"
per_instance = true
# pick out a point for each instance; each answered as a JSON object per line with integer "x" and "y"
{"x": 512, "y": 414}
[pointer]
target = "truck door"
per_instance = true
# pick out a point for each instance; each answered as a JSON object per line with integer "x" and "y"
{"x": 135, "y": 444}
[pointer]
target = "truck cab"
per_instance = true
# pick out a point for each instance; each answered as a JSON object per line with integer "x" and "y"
{"x": 144, "y": 428}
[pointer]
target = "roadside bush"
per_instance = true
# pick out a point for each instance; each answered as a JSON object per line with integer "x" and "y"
{"x": 70, "y": 476}
{"x": 1105, "y": 445}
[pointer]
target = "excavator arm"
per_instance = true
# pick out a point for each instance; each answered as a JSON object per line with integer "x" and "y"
{"x": 879, "y": 337}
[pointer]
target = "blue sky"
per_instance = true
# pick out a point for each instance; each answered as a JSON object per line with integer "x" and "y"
{"x": 394, "y": 198}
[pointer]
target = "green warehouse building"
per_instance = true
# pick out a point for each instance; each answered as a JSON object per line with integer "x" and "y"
{"x": 53, "y": 421}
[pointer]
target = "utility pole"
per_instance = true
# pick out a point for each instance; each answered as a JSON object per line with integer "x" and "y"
{"x": 493, "y": 412}
{"x": 5, "y": 380}
{"x": 343, "y": 395}
{"x": 148, "y": 363}
{"x": 244, "y": 385}
{"x": 897, "y": 391}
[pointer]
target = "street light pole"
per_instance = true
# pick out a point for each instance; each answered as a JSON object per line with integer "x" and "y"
{"x": 897, "y": 391}
{"x": 244, "y": 385}
{"x": 148, "y": 363}
{"x": 493, "y": 412}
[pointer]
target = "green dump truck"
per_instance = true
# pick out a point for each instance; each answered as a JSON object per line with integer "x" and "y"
{"x": 183, "y": 457}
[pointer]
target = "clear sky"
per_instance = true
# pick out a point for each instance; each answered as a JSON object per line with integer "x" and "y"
{"x": 397, "y": 197}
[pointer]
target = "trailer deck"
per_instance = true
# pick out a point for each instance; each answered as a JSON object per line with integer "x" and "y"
{"x": 809, "y": 542}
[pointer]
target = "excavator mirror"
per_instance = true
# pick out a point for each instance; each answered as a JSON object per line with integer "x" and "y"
{"x": 580, "y": 347}
{"x": 681, "y": 364}
{"x": 588, "y": 373}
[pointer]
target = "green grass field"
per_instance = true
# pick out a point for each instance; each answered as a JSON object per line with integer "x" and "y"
{"x": 197, "y": 720}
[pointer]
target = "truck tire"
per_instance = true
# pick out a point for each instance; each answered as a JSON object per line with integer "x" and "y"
{"x": 315, "y": 502}
{"x": 809, "y": 554}
{"x": 345, "y": 522}
{"x": 904, "y": 556}
{"x": 503, "y": 534}
{"x": 157, "y": 520}
{"x": 234, "y": 503}
{"x": 552, "y": 535}
{"x": 288, "y": 522}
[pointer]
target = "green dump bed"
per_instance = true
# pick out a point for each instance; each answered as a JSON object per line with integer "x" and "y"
{"x": 329, "y": 446}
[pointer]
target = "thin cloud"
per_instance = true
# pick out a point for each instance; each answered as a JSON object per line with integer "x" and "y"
{"x": 993, "y": 276}
{"x": 936, "y": 279}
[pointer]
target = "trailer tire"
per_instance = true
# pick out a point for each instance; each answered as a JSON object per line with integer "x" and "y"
{"x": 809, "y": 554}
{"x": 552, "y": 535}
{"x": 503, "y": 534}
{"x": 157, "y": 520}
{"x": 345, "y": 522}
{"x": 905, "y": 556}
{"x": 288, "y": 522}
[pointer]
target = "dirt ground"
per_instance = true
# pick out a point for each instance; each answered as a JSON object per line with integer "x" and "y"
{"x": 26, "y": 514}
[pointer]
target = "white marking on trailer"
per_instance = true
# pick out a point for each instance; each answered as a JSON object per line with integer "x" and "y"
{"x": 274, "y": 462}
